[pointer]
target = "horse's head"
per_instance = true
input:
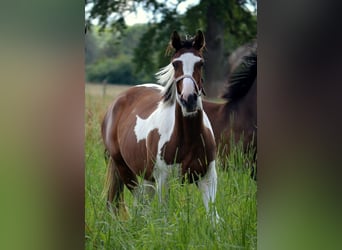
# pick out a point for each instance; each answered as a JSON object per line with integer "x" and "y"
{"x": 187, "y": 62}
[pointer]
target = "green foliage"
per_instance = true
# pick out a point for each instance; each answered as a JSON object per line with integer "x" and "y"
{"x": 102, "y": 10}
{"x": 152, "y": 39}
{"x": 109, "y": 56}
{"x": 145, "y": 55}
{"x": 150, "y": 52}
{"x": 182, "y": 222}
{"x": 240, "y": 28}
{"x": 91, "y": 48}
{"x": 118, "y": 70}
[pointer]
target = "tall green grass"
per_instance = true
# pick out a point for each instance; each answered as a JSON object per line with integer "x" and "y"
{"x": 179, "y": 223}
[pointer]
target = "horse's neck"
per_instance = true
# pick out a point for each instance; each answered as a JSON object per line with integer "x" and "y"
{"x": 188, "y": 128}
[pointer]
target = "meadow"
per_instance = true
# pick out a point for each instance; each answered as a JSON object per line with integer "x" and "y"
{"x": 179, "y": 223}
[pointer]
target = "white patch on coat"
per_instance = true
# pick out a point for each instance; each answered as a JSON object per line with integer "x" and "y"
{"x": 150, "y": 85}
{"x": 162, "y": 119}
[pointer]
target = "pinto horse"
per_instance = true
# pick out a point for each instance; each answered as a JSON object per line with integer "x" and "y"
{"x": 150, "y": 129}
{"x": 238, "y": 115}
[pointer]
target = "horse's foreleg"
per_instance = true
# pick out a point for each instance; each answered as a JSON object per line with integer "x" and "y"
{"x": 161, "y": 174}
{"x": 208, "y": 186}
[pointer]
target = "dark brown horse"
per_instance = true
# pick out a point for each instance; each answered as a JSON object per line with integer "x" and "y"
{"x": 238, "y": 115}
{"x": 150, "y": 130}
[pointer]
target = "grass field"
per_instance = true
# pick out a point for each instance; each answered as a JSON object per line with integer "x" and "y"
{"x": 182, "y": 222}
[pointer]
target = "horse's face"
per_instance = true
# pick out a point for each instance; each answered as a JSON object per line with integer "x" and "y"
{"x": 187, "y": 63}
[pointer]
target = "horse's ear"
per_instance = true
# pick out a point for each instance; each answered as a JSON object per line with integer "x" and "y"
{"x": 199, "y": 40}
{"x": 176, "y": 41}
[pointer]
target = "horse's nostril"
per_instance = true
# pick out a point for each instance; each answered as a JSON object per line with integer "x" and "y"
{"x": 183, "y": 101}
{"x": 192, "y": 98}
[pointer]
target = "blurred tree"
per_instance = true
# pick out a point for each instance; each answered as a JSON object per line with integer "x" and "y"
{"x": 91, "y": 49}
{"x": 226, "y": 23}
{"x": 118, "y": 70}
{"x": 109, "y": 56}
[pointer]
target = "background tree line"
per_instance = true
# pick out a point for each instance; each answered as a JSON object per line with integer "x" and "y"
{"x": 108, "y": 56}
{"x": 131, "y": 55}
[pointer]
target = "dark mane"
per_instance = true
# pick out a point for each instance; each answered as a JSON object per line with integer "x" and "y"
{"x": 242, "y": 79}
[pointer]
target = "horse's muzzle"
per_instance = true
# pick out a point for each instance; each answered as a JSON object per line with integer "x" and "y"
{"x": 190, "y": 103}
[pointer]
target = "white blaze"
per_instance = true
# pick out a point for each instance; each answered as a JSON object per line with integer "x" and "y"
{"x": 188, "y": 88}
{"x": 188, "y": 61}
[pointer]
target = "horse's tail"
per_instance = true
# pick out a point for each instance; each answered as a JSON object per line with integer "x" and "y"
{"x": 114, "y": 186}
{"x": 112, "y": 176}
{"x": 109, "y": 174}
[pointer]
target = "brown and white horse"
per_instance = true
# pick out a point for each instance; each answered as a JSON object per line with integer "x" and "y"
{"x": 150, "y": 129}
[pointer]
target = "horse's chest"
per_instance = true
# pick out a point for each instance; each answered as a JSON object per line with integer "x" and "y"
{"x": 192, "y": 159}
